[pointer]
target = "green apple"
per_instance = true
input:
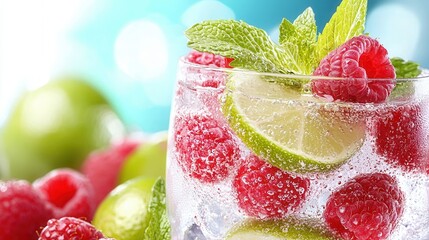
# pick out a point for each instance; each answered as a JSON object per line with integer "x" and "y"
{"x": 148, "y": 160}
{"x": 55, "y": 126}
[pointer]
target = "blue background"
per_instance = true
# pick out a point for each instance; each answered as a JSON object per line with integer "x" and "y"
{"x": 129, "y": 49}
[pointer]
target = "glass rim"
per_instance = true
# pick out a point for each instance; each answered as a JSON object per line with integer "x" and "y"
{"x": 423, "y": 76}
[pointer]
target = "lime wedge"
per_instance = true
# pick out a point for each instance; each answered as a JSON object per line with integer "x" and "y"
{"x": 278, "y": 229}
{"x": 290, "y": 130}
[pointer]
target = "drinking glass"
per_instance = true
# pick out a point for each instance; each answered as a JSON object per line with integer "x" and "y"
{"x": 258, "y": 153}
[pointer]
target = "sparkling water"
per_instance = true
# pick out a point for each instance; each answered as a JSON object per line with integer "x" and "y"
{"x": 208, "y": 209}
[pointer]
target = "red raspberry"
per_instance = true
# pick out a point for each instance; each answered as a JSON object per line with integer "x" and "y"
{"x": 400, "y": 137}
{"x": 102, "y": 167}
{"x": 22, "y": 211}
{"x": 210, "y": 78}
{"x": 213, "y": 81}
{"x": 68, "y": 193}
{"x": 365, "y": 64}
{"x": 265, "y": 191}
{"x": 205, "y": 147}
{"x": 70, "y": 228}
{"x": 367, "y": 207}
{"x": 208, "y": 59}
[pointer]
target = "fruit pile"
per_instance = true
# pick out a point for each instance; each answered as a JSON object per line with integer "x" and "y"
{"x": 86, "y": 174}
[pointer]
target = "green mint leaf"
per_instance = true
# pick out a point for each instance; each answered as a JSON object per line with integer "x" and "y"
{"x": 299, "y": 39}
{"x": 402, "y": 90}
{"x": 288, "y": 32}
{"x": 306, "y": 25}
{"x": 250, "y": 46}
{"x": 158, "y": 224}
{"x": 347, "y": 22}
{"x": 405, "y": 69}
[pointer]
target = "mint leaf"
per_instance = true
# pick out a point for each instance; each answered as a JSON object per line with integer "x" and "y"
{"x": 250, "y": 46}
{"x": 306, "y": 25}
{"x": 299, "y": 38}
{"x": 402, "y": 90}
{"x": 288, "y": 32}
{"x": 347, "y": 22}
{"x": 158, "y": 224}
{"x": 405, "y": 69}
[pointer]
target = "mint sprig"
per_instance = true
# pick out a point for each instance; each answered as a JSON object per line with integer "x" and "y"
{"x": 299, "y": 51}
{"x": 158, "y": 225}
{"x": 405, "y": 69}
{"x": 250, "y": 46}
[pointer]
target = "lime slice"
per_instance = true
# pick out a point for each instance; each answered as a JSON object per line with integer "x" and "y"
{"x": 290, "y": 130}
{"x": 278, "y": 229}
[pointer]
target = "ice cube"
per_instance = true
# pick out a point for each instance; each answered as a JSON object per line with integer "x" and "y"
{"x": 194, "y": 233}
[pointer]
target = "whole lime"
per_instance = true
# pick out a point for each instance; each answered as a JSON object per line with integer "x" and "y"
{"x": 148, "y": 160}
{"x": 55, "y": 126}
{"x": 123, "y": 214}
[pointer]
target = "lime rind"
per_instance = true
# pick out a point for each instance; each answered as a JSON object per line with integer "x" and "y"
{"x": 269, "y": 149}
{"x": 292, "y": 229}
{"x": 317, "y": 141}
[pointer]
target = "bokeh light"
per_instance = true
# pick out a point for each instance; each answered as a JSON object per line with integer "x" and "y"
{"x": 397, "y": 27}
{"x": 204, "y": 10}
{"x": 141, "y": 50}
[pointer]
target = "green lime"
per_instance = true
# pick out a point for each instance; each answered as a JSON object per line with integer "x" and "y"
{"x": 279, "y": 229}
{"x": 290, "y": 130}
{"x": 55, "y": 126}
{"x": 123, "y": 214}
{"x": 148, "y": 160}
{"x": 4, "y": 168}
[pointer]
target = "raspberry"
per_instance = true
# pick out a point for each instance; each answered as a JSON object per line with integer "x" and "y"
{"x": 210, "y": 78}
{"x": 102, "y": 167}
{"x": 366, "y": 207}
{"x": 68, "y": 193}
{"x": 365, "y": 64}
{"x": 70, "y": 228}
{"x": 265, "y": 191}
{"x": 205, "y": 147}
{"x": 400, "y": 137}
{"x": 208, "y": 59}
{"x": 22, "y": 211}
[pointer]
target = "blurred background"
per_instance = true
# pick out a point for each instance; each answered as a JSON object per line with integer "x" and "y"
{"x": 129, "y": 49}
